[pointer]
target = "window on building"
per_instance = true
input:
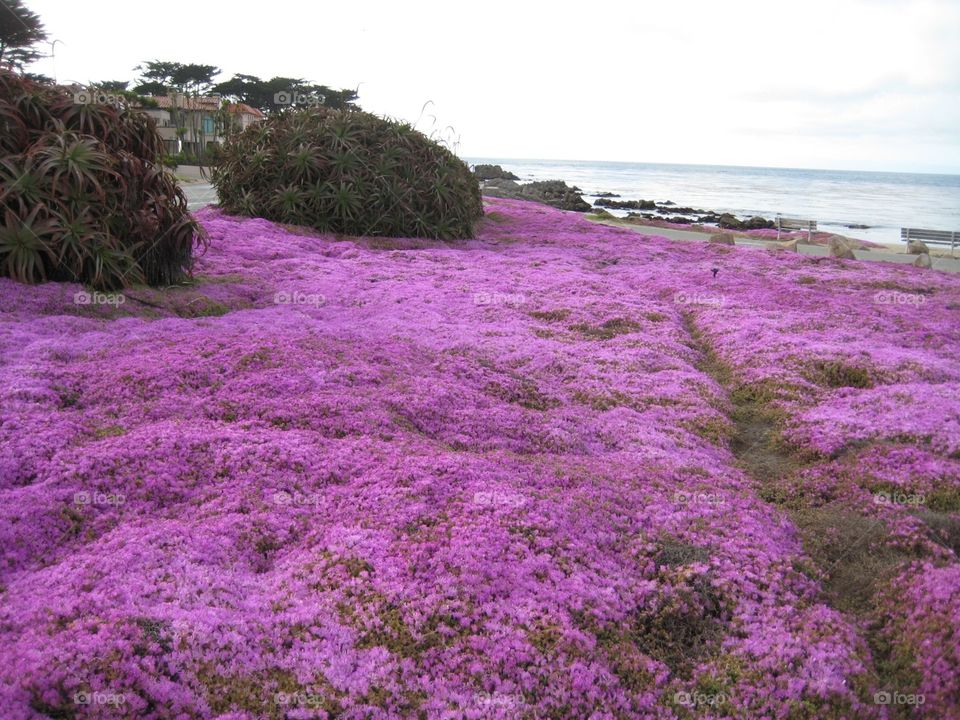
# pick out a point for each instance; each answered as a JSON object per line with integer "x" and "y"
{"x": 208, "y": 126}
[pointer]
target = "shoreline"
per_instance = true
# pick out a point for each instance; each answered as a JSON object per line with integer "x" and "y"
{"x": 496, "y": 181}
{"x": 873, "y": 253}
{"x": 666, "y": 213}
{"x": 864, "y": 206}
{"x": 820, "y": 237}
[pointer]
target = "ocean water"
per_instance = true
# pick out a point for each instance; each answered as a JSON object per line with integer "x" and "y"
{"x": 884, "y": 201}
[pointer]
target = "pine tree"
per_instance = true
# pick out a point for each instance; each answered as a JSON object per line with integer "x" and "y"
{"x": 20, "y": 29}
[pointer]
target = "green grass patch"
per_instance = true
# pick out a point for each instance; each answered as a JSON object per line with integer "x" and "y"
{"x": 839, "y": 374}
{"x": 526, "y": 394}
{"x": 109, "y": 431}
{"x": 551, "y": 315}
{"x": 853, "y": 552}
{"x": 607, "y": 330}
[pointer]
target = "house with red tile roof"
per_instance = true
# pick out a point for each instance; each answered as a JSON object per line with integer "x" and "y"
{"x": 191, "y": 124}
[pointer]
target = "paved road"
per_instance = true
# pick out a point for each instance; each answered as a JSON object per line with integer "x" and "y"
{"x": 199, "y": 194}
{"x": 947, "y": 264}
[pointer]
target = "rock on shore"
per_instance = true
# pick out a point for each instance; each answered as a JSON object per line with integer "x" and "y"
{"x": 730, "y": 222}
{"x": 685, "y": 215}
{"x": 841, "y": 247}
{"x": 723, "y": 239}
{"x": 555, "y": 193}
{"x": 787, "y": 246}
{"x": 626, "y": 204}
{"x": 493, "y": 172}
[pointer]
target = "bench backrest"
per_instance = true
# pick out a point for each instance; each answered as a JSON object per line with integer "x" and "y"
{"x": 784, "y": 223}
{"x": 943, "y": 237}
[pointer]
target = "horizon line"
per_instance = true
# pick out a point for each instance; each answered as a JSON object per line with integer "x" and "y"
{"x": 713, "y": 165}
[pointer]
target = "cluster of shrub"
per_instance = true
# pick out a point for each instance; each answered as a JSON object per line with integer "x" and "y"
{"x": 211, "y": 156}
{"x": 86, "y": 195}
{"x": 350, "y": 172}
{"x": 83, "y": 194}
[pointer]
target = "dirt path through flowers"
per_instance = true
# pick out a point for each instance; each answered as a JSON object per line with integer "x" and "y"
{"x": 850, "y": 558}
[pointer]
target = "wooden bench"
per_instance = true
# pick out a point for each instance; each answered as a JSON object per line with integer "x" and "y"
{"x": 935, "y": 237}
{"x": 784, "y": 223}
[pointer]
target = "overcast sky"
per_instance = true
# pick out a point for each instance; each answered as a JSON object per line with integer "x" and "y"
{"x": 869, "y": 84}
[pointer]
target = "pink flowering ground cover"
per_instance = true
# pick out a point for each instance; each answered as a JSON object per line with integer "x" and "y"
{"x": 505, "y": 478}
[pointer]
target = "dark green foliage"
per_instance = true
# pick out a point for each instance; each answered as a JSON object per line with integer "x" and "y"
{"x": 178, "y": 159}
{"x": 262, "y": 94}
{"x": 674, "y": 552}
{"x": 112, "y": 86}
{"x": 837, "y": 374}
{"x": 686, "y": 629}
{"x": 608, "y": 330}
{"x": 159, "y": 77}
{"x": 350, "y": 172}
{"x": 83, "y": 197}
{"x": 20, "y": 30}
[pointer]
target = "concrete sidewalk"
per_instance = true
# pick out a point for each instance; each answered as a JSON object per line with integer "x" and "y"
{"x": 199, "y": 194}
{"x": 192, "y": 173}
{"x": 947, "y": 264}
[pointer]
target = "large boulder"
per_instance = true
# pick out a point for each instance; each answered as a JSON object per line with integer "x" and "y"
{"x": 556, "y": 193}
{"x": 758, "y": 223}
{"x": 550, "y": 192}
{"x": 917, "y": 247}
{"x": 923, "y": 261}
{"x": 841, "y": 247}
{"x": 788, "y": 246}
{"x": 723, "y": 239}
{"x": 626, "y": 204}
{"x": 729, "y": 222}
{"x": 493, "y": 172}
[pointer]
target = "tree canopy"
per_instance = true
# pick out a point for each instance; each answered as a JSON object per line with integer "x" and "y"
{"x": 112, "y": 85}
{"x": 161, "y": 76}
{"x": 20, "y": 30}
{"x": 261, "y": 94}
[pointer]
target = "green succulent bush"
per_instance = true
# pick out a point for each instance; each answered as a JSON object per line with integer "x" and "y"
{"x": 349, "y": 172}
{"x": 84, "y": 196}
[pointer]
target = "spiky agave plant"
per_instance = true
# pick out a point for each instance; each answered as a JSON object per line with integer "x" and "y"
{"x": 350, "y": 172}
{"x": 83, "y": 195}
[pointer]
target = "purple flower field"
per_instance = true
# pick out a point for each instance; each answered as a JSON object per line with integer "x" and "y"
{"x": 561, "y": 471}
